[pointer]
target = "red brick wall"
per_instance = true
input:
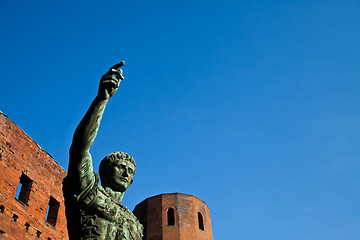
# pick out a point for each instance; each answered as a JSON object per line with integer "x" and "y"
{"x": 153, "y": 213}
{"x": 20, "y": 154}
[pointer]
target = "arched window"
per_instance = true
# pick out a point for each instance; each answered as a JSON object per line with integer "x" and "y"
{"x": 171, "y": 217}
{"x": 201, "y": 221}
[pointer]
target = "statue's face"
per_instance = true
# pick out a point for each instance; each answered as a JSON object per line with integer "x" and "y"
{"x": 120, "y": 176}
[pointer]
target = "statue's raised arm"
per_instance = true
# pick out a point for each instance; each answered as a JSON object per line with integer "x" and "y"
{"x": 80, "y": 170}
{"x": 95, "y": 211}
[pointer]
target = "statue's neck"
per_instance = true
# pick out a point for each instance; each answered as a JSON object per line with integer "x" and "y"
{"x": 118, "y": 196}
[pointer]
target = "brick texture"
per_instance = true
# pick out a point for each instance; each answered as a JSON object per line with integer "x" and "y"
{"x": 19, "y": 154}
{"x": 153, "y": 214}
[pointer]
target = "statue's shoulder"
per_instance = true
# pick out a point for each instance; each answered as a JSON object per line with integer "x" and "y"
{"x": 86, "y": 197}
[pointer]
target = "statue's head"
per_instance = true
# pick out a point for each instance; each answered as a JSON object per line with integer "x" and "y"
{"x": 117, "y": 171}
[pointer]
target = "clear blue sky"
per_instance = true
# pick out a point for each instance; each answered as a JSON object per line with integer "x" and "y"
{"x": 252, "y": 106}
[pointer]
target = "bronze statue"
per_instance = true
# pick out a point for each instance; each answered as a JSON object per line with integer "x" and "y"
{"x": 94, "y": 211}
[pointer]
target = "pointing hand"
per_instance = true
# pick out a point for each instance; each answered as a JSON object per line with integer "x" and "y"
{"x": 110, "y": 81}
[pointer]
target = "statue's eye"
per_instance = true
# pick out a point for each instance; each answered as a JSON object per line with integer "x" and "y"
{"x": 130, "y": 170}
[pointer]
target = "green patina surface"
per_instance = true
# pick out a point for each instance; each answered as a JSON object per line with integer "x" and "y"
{"x": 94, "y": 211}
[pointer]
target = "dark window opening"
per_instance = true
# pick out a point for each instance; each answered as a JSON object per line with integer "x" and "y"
{"x": 38, "y": 233}
{"x": 141, "y": 220}
{"x": 2, "y": 232}
{"x": 27, "y": 226}
{"x": 2, "y": 208}
{"x": 15, "y": 217}
{"x": 201, "y": 221}
{"x": 48, "y": 238}
{"x": 24, "y": 188}
{"x": 171, "y": 217}
{"x": 52, "y": 211}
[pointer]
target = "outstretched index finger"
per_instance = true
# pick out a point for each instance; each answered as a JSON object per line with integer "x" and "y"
{"x": 118, "y": 65}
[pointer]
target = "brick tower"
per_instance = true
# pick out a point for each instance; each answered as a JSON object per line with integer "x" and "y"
{"x": 174, "y": 216}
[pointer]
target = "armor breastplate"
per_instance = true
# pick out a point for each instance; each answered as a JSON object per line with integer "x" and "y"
{"x": 102, "y": 216}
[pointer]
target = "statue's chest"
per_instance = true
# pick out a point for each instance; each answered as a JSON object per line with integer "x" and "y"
{"x": 107, "y": 219}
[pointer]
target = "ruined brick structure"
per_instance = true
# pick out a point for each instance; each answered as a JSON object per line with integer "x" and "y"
{"x": 174, "y": 216}
{"x": 32, "y": 203}
{"x": 31, "y": 200}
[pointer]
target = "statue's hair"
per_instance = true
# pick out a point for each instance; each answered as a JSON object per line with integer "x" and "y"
{"x": 110, "y": 160}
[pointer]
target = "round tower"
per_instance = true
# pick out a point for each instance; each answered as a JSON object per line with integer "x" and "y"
{"x": 174, "y": 216}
